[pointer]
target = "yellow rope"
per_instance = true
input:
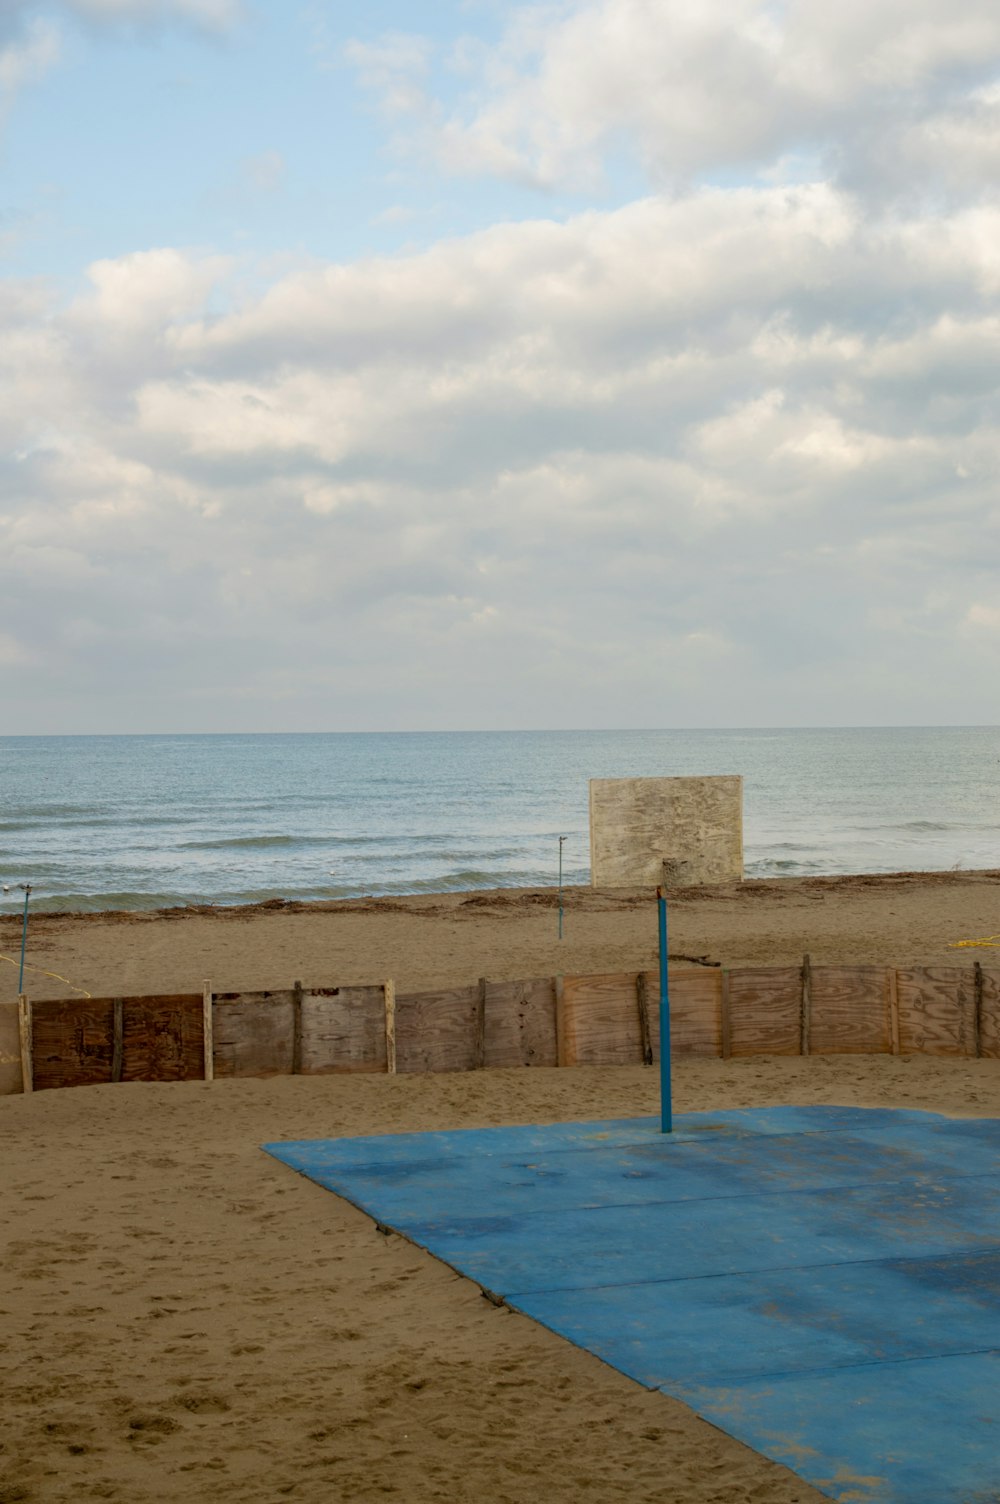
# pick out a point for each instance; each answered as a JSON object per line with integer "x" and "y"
{"x": 82, "y": 990}
{"x": 992, "y": 942}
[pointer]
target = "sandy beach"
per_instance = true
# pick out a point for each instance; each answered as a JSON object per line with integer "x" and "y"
{"x": 183, "y": 1318}
{"x": 452, "y": 939}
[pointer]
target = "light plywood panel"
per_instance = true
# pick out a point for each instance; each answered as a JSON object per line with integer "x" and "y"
{"x": 343, "y": 1029}
{"x": 764, "y": 1010}
{"x": 850, "y": 1011}
{"x": 521, "y": 1022}
{"x": 253, "y": 1033}
{"x": 673, "y": 831}
{"x": 601, "y": 1020}
{"x": 937, "y": 1010}
{"x": 436, "y": 1031}
{"x": 695, "y": 1011}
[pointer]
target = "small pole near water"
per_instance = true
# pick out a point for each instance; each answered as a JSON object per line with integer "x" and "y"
{"x": 666, "y": 1109}
{"x": 24, "y": 936}
{"x": 561, "y": 840}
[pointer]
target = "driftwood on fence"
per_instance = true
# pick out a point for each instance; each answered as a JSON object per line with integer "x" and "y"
{"x": 572, "y": 1020}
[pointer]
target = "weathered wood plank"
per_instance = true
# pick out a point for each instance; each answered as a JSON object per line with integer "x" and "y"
{"x": 26, "y": 1042}
{"x": 937, "y": 1010}
{"x": 253, "y": 1034}
{"x": 850, "y": 1011}
{"x": 695, "y": 1012}
{"x": 436, "y": 1031}
{"x": 765, "y": 1010}
{"x": 389, "y": 1021}
{"x": 601, "y": 1023}
{"x": 343, "y": 1030}
{"x": 521, "y": 1023}
{"x": 989, "y": 1018}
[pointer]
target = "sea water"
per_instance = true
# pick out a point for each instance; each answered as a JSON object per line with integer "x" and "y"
{"x": 141, "y": 822}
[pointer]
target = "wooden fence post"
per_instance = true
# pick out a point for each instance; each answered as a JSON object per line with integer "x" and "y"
{"x": 642, "y": 1000}
{"x": 24, "y": 1032}
{"x": 389, "y": 989}
{"x": 977, "y": 1015}
{"x": 118, "y": 1039}
{"x": 296, "y": 1028}
{"x": 805, "y": 1015}
{"x": 208, "y": 1032}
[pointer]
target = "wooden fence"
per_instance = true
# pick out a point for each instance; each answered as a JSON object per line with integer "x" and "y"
{"x": 571, "y": 1020}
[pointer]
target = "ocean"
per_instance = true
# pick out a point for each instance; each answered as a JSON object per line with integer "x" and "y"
{"x": 142, "y": 822}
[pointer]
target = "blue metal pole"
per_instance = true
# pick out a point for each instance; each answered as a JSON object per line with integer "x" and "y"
{"x": 24, "y": 937}
{"x": 666, "y": 1112}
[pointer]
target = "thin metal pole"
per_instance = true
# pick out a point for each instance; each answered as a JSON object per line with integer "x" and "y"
{"x": 666, "y": 1111}
{"x": 24, "y": 937}
{"x": 561, "y": 840}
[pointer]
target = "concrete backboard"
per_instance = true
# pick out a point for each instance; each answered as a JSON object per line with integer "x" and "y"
{"x": 677, "y": 831}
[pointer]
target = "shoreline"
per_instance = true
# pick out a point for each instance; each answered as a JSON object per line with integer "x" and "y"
{"x": 431, "y": 940}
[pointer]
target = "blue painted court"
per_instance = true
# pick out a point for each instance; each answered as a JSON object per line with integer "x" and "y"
{"x": 821, "y": 1282}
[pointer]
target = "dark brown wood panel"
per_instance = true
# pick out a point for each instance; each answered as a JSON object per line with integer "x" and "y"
{"x": 601, "y": 1020}
{"x": 989, "y": 1039}
{"x": 937, "y": 1010}
{"x": 253, "y": 1033}
{"x": 73, "y": 1042}
{"x": 343, "y": 1029}
{"x": 765, "y": 1004}
{"x": 163, "y": 1038}
{"x": 436, "y": 1031}
{"x": 521, "y": 1023}
{"x": 850, "y": 1011}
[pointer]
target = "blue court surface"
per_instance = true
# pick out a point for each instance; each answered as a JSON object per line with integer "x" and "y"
{"x": 821, "y": 1282}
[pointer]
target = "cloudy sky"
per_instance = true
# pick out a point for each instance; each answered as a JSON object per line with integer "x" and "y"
{"x": 591, "y": 363}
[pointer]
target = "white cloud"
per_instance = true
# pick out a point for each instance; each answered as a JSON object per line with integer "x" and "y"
{"x": 880, "y": 84}
{"x": 722, "y": 446}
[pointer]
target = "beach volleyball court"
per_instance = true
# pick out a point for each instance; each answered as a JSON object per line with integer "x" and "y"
{"x": 820, "y": 1282}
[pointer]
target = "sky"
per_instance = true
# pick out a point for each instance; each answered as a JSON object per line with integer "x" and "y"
{"x": 594, "y": 363}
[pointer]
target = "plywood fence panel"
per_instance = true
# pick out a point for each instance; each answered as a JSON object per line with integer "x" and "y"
{"x": 937, "y": 1010}
{"x": 521, "y": 1023}
{"x": 850, "y": 1012}
{"x": 163, "y": 1038}
{"x": 343, "y": 1029}
{"x": 253, "y": 1033}
{"x": 73, "y": 1042}
{"x": 765, "y": 1006}
{"x": 695, "y": 1011}
{"x": 437, "y": 1031}
{"x": 601, "y": 1020}
{"x": 989, "y": 1035}
{"x": 10, "y": 1051}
